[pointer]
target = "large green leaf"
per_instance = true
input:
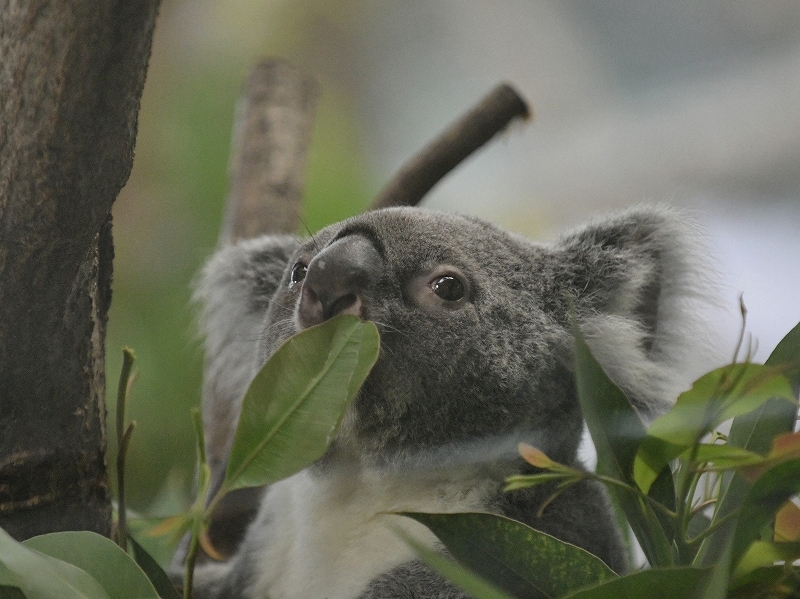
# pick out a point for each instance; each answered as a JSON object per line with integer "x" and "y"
{"x": 523, "y": 561}
{"x": 460, "y": 576}
{"x": 101, "y": 558}
{"x": 658, "y": 583}
{"x": 294, "y": 405}
{"x": 617, "y": 431}
{"x": 40, "y": 576}
{"x": 788, "y": 352}
{"x": 154, "y": 571}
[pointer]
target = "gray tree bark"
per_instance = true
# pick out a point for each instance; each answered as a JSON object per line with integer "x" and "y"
{"x": 71, "y": 78}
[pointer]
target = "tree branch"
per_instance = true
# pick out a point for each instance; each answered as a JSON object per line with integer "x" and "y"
{"x": 71, "y": 78}
{"x": 490, "y": 116}
{"x": 271, "y": 135}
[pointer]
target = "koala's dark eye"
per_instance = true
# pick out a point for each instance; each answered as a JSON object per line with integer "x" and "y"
{"x": 298, "y": 274}
{"x": 448, "y": 288}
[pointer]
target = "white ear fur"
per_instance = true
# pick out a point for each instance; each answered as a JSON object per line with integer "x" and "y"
{"x": 653, "y": 365}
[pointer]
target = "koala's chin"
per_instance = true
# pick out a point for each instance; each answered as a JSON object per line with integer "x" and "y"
{"x": 475, "y": 357}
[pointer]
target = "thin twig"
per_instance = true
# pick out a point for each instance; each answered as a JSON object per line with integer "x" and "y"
{"x": 123, "y": 439}
{"x": 454, "y": 144}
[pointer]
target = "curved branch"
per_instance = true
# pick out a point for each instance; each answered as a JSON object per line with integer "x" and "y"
{"x": 490, "y": 116}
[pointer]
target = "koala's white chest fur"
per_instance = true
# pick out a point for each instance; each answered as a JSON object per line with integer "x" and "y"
{"x": 327, "y": 537}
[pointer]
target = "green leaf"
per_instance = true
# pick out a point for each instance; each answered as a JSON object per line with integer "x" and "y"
{"x": 765, "y": 553}
{"x": 156, "y": 574}
{"x": 714, "y": 398}
{"x": 653, "y": 457}
{"x": 754, "y": 432}
{"x": 658, "y": 583}
{"x": 523, "y": 481}
{"x": 617, "y": 431}
{"x": 726, "y": 456}
{"x": 294, "y": 405}
{"x": 9, "y": 592}
{"x": 101, "y": 558}
{"x": 460, "y": 576}
{"x": 40, "y": 576}
{"x": 770, "y": 581}
{"x": 523, "y": 561}
{"x": 757, "y": 510}
{"x": 615, "y": 426}
{"x": 716, "y": 579}
{"x": 788, "y": 352}
{"x": 762, "y": 502}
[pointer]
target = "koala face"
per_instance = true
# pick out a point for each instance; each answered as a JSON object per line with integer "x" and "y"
{"x": 474, "y": 344}
{"x": 475, "y": 325}
{"x": 476, "y": 353}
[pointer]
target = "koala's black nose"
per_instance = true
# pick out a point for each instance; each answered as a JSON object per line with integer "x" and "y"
{"x": 338, "y": 279}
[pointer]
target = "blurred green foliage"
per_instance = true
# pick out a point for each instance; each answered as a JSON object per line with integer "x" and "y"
{"x": 166, "y": 224}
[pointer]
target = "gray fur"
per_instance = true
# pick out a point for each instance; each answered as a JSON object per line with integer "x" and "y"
{"x": 457, "y": 386}
{"x": 234, "y": 291}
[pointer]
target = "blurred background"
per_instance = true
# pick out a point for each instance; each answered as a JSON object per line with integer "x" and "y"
{"x": 692, "y": 103}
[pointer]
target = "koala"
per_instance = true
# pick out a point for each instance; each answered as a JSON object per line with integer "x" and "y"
{"x": 476, "y": 356}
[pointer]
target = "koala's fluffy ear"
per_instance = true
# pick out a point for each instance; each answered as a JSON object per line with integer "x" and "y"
{"x": 640, "y": 282}
{"x": 233, "y": 291}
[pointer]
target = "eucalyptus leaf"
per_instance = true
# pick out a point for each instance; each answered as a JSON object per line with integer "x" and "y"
{"x": 101, "y": 558}
{"x": 658, "y": 583}
{"x": 762, "y": 502}
{"x": 765, "y": 553}
{"x": 294, "y": 405}
{"x": 768, "y": 581}
{"x": 41, "y": 576}
{"x": 754, "y": 431}
{"x": 460, "y": 576}
{"x": 726, "y": 456}
{"x": 714, "y": 398}
{"x": 517, "y": 558}
{"x": 617, "y": 430}
{"x": 156, "y": 574}
{"x": 9, "y": 592}
{"x": 787, "y": 352}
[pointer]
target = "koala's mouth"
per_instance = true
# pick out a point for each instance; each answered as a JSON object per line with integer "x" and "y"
{"x": 337, "y": 280}
{"x": 314, "y": 307}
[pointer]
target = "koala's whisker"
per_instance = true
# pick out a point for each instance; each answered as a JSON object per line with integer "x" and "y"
{"x": 384, "y": 327}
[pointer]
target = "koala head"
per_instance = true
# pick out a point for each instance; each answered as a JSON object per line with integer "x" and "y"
{"x": 476, "y": 337}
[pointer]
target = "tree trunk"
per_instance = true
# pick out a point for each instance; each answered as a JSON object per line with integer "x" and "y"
{"x": 71, "y": 77}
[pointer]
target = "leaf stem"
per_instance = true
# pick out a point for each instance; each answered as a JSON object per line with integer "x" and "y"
{"x": 191, "y": 559}
{"x": 713, "y": 527}
{"x": 123, "y": 439}
{"x": 636, "y": 490}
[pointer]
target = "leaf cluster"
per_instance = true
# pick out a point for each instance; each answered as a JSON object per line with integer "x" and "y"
{"x": 290, "y": 414}
{"x": 714, "y": 513}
